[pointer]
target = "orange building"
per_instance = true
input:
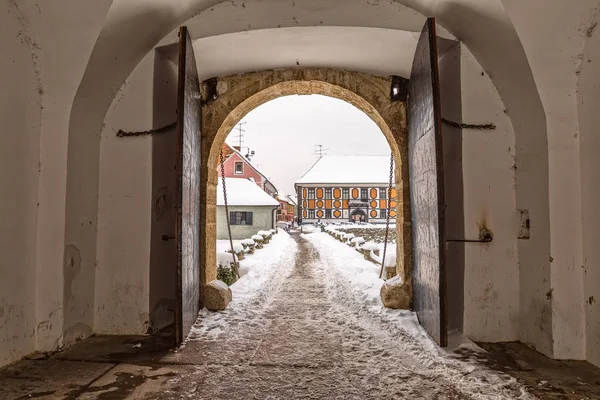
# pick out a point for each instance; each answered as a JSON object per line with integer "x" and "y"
{"x": 345, "y": 189}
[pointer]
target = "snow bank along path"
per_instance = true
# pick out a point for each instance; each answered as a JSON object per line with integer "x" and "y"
{"x": 354, "y": 283}
{"x": 261, "y": 274}
{"x": 317, "y": 337}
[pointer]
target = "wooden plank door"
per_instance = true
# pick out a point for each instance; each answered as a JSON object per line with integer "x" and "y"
{"x": 425, "y": 164}
{"x": 188, "y": 189}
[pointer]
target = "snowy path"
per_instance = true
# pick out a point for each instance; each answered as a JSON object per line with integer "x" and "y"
{"x": 306, "y": 338}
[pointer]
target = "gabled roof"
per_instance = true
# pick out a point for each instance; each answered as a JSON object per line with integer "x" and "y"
{"x": 292, "y": 200}
{"x": 243, "y": 192}
{"x": 228, "y": 151}
{"x": 348, "y": 170}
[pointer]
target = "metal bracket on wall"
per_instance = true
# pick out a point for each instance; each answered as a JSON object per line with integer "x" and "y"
{"x": 486, "y": 237}
{"x": 166, "y": 237}
{"x": 398, "y": 88}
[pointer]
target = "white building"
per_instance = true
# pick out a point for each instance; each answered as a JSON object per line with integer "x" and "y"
{"x": 346, "y": 188}
{"x": 250, "y": 209}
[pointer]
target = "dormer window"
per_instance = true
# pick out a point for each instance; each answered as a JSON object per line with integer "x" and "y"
{"x": 239, "y": 167}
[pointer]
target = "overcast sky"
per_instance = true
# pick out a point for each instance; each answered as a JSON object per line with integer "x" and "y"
{"x": 284, "y": 132}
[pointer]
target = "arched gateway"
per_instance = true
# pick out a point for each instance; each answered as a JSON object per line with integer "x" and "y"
{"x": 228, "y": 99}
{"x": 225, "y": 100}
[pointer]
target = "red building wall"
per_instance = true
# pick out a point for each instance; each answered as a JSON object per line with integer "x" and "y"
{"x": 247, "y": 171}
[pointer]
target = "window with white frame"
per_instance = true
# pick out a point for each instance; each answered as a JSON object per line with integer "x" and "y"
{"x": 327, "y": 193}
{"x": 239, "y": 167}
{"x": 311, "y": 213}
{"x": 383, "y": 193}
{"x": 345, "y": 193}
{"x": 311, "y": 194}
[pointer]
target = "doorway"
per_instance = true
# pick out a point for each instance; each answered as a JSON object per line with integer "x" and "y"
{"x": 358, "y": 216}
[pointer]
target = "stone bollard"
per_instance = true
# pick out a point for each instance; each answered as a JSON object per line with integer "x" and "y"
{"x": 217, "y": 295}
{"x": 395, "y": 294}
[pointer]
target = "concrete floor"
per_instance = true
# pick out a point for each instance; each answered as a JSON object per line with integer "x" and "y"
{"x": 301, "y": 344}
{"x": 550, "y": 379}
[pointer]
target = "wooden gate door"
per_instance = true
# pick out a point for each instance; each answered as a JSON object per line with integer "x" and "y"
{"x": 425, "y": 166}
{"x": 188, "y": 189}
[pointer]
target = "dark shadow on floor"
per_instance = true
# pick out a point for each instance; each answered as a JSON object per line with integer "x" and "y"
{"x": 141, "y": 350}
{"x": 547, "y": 378}
{"x": 114, "y": 366}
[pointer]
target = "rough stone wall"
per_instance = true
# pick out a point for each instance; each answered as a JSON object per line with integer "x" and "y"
{"x": 229, "y": 99}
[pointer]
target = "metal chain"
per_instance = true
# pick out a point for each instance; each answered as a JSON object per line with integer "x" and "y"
{"x": 460, "y": 125}
{"x": 387, "y": 221}
{"x": 122, "y": 133}
{"x": 235, "y": 266}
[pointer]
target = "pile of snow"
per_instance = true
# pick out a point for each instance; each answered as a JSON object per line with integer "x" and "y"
{"x": 261, "y": 274}
{"x": 265, "y": 234}
{"x": 237, "y": 247}
{"x": 390, "y": 257}
{"x": 248, "y": 242}
{"x": 348, "y": 236}
{"x": 258, "y": 238}
{"x": 370, "y": 246}
{"x": 357, "y": 241}
{"x": 225, "y": 259}
{"x": 390, "y": 253}
{"x": 309, "y": 228}
{"x": 225, "y": 246}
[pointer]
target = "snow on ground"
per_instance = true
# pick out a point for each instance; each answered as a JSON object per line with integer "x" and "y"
{"x": 224, "y": 246}
{"x": 354, "y": 283}
{"x": 315, "y": 302}
{"x": 261, "y": 274}
{"x": 361, "y": 277}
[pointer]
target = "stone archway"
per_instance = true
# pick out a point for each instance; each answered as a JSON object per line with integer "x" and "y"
{"x": 359, "y": 216}
{"x": 226, "y": 100}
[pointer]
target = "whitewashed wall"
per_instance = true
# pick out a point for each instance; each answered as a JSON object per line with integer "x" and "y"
{"x": 19, "y": 171}
{"x": 491, "y": 270}
{"x": 124, "y": 209}
{"x": 588, "y": 96}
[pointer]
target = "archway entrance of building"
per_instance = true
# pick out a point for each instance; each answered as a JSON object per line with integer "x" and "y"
{"x": 417, "y": 150}
{"x": 358, "y": 216}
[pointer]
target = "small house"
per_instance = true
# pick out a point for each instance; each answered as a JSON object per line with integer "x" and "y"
{"x": 250, "y": 209}
{"x": 237, "y": 165}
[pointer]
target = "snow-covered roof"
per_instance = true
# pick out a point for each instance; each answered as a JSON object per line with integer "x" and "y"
{"x": 243, "y": 192}
{"x": 292, "y": 200}
{"x": 348, "y": 169}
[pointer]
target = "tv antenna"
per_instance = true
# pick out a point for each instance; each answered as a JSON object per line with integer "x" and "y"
{"x": 320, "y": 151}
{"x": 240, "y": 134}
